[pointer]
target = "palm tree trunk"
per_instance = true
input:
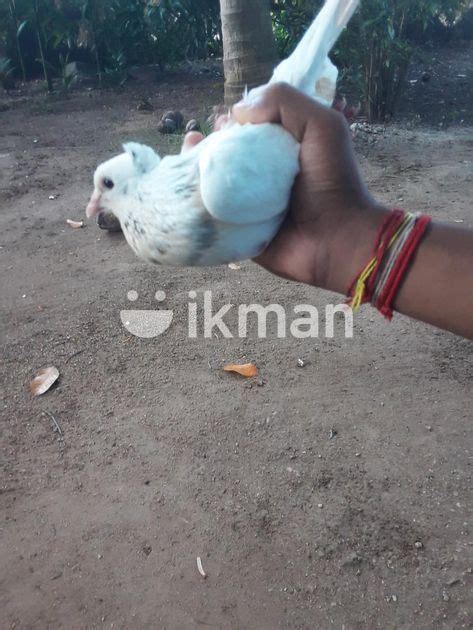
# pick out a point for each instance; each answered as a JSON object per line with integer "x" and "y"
{"x": 249, "y": 52}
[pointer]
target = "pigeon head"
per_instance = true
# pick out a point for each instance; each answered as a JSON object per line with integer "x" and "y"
{"x": 116, "y": 178}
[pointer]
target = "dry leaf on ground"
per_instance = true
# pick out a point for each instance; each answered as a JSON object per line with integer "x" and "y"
{"x": 74, "y": 224}
{"x": 43, "y": 380}
{"x": 245, "y": 369}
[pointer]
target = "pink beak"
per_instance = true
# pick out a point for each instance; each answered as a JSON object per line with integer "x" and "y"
{"x": 94, "y": 207}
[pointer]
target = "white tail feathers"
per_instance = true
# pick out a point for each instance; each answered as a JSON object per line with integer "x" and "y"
{"x": 308, "y": 68}
{"x": 346, "y": 11}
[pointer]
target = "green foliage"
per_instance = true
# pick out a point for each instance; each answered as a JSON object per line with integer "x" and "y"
{"x": 68, "y": 73}
{"x": 6, "y": 73}
{"x": 381, "y": 39}
{"x": 185, "y": 29}
{"x": 387, "y": 30}
{"x": 40, "y": 35}
{"x": 44, "y": 36}
{"x": 290, "y": 20}
{"x": 375, "y": 50}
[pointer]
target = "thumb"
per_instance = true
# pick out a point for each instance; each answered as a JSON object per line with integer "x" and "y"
{"x": 282, "y": 104}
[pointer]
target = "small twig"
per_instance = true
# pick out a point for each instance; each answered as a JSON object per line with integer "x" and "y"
{"x": 74, "y": 355}
{"x": 56, "y": 426}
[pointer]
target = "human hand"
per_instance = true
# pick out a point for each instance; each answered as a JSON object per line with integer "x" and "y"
{"x": 332, "y": 222}
{"x": 332, "y": 219}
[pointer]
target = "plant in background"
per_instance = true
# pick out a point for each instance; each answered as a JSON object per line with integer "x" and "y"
{"x": 39, "y": 19}
{"x": 184, "y": 29}
{"x": 37, "y": 31}
{"x": 18, "y": 27}
{"x": 375, "y": 51}
{"x": 290, "y": 20}
{"x": 382, "y": 32}
{"x": 68, "y": 71}
{"x": 6, "y": 73}
{"x": 115, "y": 72}
{"x": 43, "y": 36}
{"x": 93, "y": 17}
{"x": 12, "y": 25}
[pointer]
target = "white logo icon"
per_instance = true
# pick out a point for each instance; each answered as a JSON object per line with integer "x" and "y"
{"x": 206, "y": 319}
{"x": 144, "y": 323}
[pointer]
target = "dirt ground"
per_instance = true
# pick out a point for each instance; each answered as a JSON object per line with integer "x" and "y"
{"x": 334, "y": 495}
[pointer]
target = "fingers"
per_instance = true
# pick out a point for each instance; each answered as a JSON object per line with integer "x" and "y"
{"x": 194, "y": 137}
{"x": 280, "y": 103}
{"x": 220, "y": 122}
{"x": 191, "y": 139}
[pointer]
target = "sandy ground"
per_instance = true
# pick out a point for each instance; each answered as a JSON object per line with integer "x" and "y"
{"x": 334, "y": 495}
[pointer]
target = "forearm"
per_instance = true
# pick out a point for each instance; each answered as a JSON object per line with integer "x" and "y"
{"x": 438, "y": 285}
{"x": 332, "y": 225}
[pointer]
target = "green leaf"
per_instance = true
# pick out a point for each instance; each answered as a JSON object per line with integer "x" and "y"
{"x": 21, "y": 27}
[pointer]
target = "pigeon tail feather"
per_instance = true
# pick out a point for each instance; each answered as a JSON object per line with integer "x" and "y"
{"x": 308, "y": 68}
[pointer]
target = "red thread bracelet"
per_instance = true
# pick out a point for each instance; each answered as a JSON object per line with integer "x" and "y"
{"x": 385, "y": 302}
{"x": 385, "y": 234}
{"x": 379, "y": 281}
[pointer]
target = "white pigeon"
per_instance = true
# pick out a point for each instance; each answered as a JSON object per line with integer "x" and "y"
{"x": 225, "y": 199}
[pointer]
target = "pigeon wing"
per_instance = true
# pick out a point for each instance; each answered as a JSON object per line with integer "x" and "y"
{"x": 247, "y": 172}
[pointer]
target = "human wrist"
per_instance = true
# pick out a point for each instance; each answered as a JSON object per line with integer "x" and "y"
{"x": 348, "y": 247}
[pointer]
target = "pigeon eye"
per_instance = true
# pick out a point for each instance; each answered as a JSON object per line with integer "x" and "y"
{"x": 108, "y": 183}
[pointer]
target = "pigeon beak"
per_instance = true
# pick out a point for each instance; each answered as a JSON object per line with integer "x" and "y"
{"x": 94, "y": 207}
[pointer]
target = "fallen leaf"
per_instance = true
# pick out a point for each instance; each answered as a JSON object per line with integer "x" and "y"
{"x": 43, "y": 380}
{"x": 234, "y": 267}
{"x": 75, "y": 224}
{"x": 245, "y": 369}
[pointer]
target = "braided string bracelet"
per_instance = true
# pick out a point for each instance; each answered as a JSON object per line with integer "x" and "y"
{"x": 396, "y": 243}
